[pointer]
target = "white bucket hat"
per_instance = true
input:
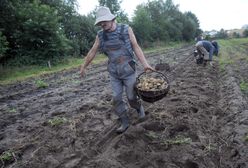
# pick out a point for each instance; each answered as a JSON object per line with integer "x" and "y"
{"x": 103, "y": 14}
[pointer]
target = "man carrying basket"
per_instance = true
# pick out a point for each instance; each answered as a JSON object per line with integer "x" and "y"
{"x": 118, "y": 42}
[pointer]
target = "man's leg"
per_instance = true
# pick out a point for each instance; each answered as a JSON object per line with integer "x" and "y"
{"x": 204, "y": 52}
{"x": 132, "y": 96}
{"x": 119, "y": 105}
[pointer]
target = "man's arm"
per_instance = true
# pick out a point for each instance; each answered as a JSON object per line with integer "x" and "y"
{"x": 211, "y": 53}
{"x": 90, "y": 56}
{"x": 137, "y": 50}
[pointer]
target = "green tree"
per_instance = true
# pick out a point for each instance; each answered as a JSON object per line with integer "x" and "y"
{"x": 166, "y": 18}
{"x": 190, "y": 27}
{"x": 9, "y": 23}
{"x": 222, "y": 34}
{"x": 245, "y": 33}
{"x": 80, "y": 30}
{"x": 142, "y": 25}
{"x": 3, "y": 45}
{"x": 86, "y": 33}
{"x": 34, "y": 32}
{"x": 160, "y": 20}
{"x": 236, "y": 35}
{"x": 40, "y": 37}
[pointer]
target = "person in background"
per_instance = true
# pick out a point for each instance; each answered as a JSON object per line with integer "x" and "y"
{"x": 207, "y": 49}
{"x": 118, "y": 42}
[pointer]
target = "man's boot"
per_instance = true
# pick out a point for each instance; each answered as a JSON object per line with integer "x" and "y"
{"x": 141, "y": 112}
{"x": 124, "y": 123}
{"x": 211, "y": 63}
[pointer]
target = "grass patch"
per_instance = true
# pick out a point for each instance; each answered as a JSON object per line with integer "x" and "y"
{"x": 178, "y": 140}
{"x": 231, "y": 51}
{"x": 13, "y": 74}
{"x": 246, "y": 138}
{"x": 243, "y": 86}
{"x": 12, "y": 110}
{"x": 224, "y": 61}
{"x": 151, "y": 135}
{"x": 7, "y": 156}
{"x": 57, "y": 121}
{"x": 41, "y": 84}
{"x": 161, "y": 47}
{"x": 210, "y": 147}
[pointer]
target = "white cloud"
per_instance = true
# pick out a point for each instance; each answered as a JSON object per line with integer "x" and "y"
{"x": 87, "y": 6}
{"x": 217, "y": 14}
{"x": 212, "y": 14}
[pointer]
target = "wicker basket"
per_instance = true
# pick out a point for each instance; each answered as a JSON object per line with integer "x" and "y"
{"x": 149, "y": 95}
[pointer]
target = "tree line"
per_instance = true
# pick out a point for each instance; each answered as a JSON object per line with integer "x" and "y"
{"x": 33, "y": 32}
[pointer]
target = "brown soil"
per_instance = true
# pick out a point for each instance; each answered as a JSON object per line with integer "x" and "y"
{"x": 201, "y": 123}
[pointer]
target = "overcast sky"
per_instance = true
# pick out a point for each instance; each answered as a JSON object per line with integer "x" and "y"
{"x": 212, "y": 14}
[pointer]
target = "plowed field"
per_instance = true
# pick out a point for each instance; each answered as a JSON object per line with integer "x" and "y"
{"x": 201, "y": 123}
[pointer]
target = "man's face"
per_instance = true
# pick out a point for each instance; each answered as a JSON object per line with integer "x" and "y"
{"x": 106, "y": 25}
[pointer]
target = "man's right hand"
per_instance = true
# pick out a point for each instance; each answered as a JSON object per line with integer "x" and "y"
{"x": 148, "y": 68}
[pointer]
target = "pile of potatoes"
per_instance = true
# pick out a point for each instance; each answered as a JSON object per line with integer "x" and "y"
{"x": 151, "y": 84}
